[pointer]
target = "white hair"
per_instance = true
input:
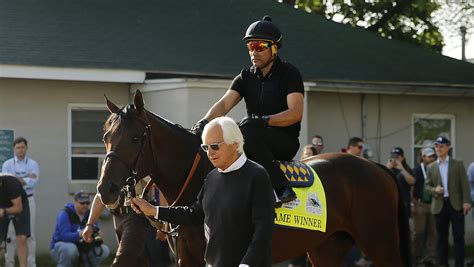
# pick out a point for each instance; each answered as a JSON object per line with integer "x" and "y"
{"x": 230, "y": 131}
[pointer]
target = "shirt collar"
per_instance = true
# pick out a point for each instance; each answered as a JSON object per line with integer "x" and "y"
{"x": 445, "y": 160}
{"x": 18, "y": 160}
{"x": 236, "y": 165}
{"x": 276, "y": 67}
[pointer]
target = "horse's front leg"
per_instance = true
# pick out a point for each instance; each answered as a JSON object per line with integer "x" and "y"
{"x": 191, "y": 246}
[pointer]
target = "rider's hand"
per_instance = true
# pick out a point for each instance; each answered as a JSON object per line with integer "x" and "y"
{"x": 198, "y": 128}
{"x": 139, "y": 205}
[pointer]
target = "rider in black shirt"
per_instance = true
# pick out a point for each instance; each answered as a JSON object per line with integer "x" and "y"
{"x": 274, "y": 95}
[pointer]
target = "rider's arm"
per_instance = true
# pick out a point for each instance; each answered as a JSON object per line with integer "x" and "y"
{"x": 292, "y": 115}
{"x": 96, "y": 209}
{"x": 224, "y": 105}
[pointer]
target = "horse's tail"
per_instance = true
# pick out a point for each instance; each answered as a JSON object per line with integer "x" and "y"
{"x": 403, "y": 224}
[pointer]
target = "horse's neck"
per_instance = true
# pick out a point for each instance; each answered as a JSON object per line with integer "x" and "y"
{"x": 174, "y": 152}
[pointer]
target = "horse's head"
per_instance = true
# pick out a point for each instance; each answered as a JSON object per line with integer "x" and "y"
{"x": 127, "y": 142}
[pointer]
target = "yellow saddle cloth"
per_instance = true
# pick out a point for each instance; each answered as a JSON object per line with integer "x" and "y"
{"x": 309, "y": 210}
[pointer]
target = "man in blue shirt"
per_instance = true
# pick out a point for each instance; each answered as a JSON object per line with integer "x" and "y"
{"x": 67, "y": 236}
{"x": 26, "y": 170}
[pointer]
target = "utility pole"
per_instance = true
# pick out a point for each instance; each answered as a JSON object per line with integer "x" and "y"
{"x": 463, "y": 42}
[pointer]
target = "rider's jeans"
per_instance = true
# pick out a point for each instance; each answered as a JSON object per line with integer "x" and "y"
{"x": 66, "y": 254}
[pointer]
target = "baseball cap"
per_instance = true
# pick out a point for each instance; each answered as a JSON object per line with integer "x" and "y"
{"x": 427, "y": 152}
{"x": 441, "y": 140}
{"x": 82, "y": 196}
{"x": 396, "y": 151}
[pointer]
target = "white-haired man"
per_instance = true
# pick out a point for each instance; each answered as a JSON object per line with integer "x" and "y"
{"x": 235, "y": 202}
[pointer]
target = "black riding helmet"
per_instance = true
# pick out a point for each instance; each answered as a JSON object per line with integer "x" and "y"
{"x": 264, "y": 29}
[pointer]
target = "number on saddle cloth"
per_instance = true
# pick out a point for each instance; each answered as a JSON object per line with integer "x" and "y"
{"x": 299, "y": 174}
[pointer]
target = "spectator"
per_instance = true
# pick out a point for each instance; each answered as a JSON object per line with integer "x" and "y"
{"x": 14, "y": 207}
{"x": 67, "y": 246}
{"x": 425, "y": 227}
{"x": 405, "y": 177}
{"x": 247, "y": 190}
{"x": 26, "y": 170}
{"x": 308, "y": 151}
{"x": 318, "y": 143}
{"x": 355, "y": 146}
{"x": 448, "y": 184}
{"x": 470, "y": 176}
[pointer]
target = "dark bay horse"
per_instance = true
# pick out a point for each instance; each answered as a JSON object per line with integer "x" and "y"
{"x": 364, "y": 205}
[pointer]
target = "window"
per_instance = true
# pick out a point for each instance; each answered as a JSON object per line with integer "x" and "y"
{"x": 427, "y": 127}
{"x": 87, "y": 149}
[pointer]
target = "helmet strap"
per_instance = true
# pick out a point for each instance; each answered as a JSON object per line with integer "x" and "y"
{"x": 274, "y": 49}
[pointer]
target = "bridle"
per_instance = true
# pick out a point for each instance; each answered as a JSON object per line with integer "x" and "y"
{"x": 128, "y": 190}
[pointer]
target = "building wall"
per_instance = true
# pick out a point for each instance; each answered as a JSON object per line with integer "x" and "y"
{"x": 37, "y": 110}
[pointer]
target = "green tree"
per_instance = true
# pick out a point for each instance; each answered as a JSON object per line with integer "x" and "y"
{"x": 407, "y": 20}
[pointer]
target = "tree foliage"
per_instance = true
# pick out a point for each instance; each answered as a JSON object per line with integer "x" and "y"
{"x": 407, "y": 20}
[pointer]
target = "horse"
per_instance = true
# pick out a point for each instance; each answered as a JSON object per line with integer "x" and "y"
{"x": 364, "y": 204}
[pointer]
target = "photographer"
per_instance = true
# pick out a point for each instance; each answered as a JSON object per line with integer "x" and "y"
{"x": 405, "y": 176}
{"x": 67, "y": 245}
{"x": 14, "y": 207}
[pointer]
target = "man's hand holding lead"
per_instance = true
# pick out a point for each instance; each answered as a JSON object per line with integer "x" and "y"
{"x": 140, "y": 205}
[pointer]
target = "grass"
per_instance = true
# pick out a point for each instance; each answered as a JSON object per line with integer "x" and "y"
{"x": 45, "y": 260}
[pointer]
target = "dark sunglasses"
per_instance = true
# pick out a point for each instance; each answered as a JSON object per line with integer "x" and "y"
{"x": 85, "y": 203}
{"x": 258, "y": 46}
{"x": 214, "y": 146}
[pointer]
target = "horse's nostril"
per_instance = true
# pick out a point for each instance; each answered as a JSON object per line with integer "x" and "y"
{"x": 114, "y": 188}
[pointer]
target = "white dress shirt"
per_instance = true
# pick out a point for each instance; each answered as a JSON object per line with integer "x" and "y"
{"x": 443, "y": 170}
{"x": 21, "y": 168}
{"x": 236, "y": 165}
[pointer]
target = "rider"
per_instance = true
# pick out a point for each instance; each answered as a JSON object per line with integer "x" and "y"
{"x": 273, "y": 92}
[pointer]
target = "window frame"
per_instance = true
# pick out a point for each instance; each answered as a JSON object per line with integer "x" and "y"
{"x": 439, "y": 116}
{"x": 70, "y": 108}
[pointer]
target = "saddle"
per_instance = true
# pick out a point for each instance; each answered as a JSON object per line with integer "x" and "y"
{"x": 298, "y": 173}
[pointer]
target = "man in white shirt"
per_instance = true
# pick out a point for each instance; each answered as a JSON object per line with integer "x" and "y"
{"x": 26, "y": 170}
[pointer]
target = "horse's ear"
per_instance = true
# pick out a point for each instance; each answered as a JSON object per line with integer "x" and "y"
{"x": 111, "y": 106}
{"x": 138, "y": 101}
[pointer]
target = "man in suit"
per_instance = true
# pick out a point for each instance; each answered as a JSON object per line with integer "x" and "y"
{"x": 447, "y": 182}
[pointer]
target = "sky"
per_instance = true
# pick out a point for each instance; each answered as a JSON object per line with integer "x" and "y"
{"x": 453, "y": 46}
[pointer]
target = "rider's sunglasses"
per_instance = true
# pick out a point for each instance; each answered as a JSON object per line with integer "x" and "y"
{"x": 258, "y": 46}
{"x": 214, "y": 146}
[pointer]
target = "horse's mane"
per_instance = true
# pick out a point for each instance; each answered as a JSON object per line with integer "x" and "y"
{"x": 129, "y": 111}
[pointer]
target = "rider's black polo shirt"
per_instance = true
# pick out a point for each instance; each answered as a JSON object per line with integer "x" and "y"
{"x": 267, "y": 95}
